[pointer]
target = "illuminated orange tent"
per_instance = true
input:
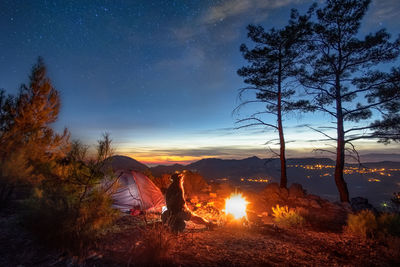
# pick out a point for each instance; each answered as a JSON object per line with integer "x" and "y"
{"x": 137, "y": 192}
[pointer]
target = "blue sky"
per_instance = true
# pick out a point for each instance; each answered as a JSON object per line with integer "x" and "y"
{"x": 159, "y": 76}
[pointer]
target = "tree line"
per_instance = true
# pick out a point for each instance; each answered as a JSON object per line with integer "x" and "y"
{"x": 57, "y": 183}
{"x": 318, "y": 63}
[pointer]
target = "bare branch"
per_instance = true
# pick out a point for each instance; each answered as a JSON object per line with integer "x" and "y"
{"x": 358, "y": 129}
{"x": 354, "y": 150}
{"x": 369, "y": 106}
{"x": 321, "y": 132}
{"x": 323, "y": 150}
{"x": 258, "y": 122}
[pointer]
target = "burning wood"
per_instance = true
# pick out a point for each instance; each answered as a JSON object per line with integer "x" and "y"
{"x": 236, "y": 205}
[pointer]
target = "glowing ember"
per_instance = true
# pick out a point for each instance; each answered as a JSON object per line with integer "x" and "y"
{"x": 236, "y": 206}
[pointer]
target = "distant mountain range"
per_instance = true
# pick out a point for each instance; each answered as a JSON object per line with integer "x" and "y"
{"x": 379, "y": 157}
{"x": 119, "y": 162}
{"x": 315, "y": 174}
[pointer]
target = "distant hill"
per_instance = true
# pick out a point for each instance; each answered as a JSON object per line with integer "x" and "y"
{"x": 252, "y": 173}
{"x": 161, "y": 169}
{"x": 126, "y": 163}
{"x": 234, "y": 169}
{"x": 378, "y": 157}
{"x": 319, "y": 180}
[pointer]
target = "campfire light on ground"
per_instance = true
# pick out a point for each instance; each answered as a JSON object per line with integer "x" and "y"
{"x": 236, "y": 206}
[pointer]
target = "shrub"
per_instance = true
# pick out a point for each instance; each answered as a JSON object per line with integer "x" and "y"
{"x": 389, "y": 224}
{"x": 363, "y": 223}
{"x": 154, "y": 247}
{"x": 395, "y": 202}
{"x": 288, "y": 218}
{"x": 72, "y": 206}
{"x": 63, "y": 221}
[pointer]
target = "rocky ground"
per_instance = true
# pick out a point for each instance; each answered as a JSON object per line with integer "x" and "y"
{"x": 135, "y": 243}
{"x": 143, "y": 241}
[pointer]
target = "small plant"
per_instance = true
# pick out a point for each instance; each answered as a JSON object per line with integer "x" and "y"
{"x": 154, "y": 246}
{"x": 288, "y": 218}
{"x": 389, "y": 224}
{"x": 395, "y": 201}
{"x": 363, "y": 224}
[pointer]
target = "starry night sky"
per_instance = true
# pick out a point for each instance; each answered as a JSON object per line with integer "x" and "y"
{"x": 159, "y": 76}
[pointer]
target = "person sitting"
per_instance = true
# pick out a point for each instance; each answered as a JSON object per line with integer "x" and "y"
{"x": 177, "y": 212}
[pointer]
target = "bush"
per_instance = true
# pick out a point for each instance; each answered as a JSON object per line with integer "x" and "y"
{"x": 395, "y": 202}
{"x": 72, "y": 206}
{"x": 154, "y": 247}
{"x": 363, "y": 224}
{"x": 61, "y": 220}
{"x": 389, "y": 224}
{"x": 288, "y": 218}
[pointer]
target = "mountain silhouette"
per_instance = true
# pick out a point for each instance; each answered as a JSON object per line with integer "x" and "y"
{"x": 315, "y": 174}
{"x": 119, "y": 162}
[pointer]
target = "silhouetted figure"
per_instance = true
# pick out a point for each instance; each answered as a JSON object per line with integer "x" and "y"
{"x": 177, "y": 212}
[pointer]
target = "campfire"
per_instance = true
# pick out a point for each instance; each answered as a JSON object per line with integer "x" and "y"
{"x": 236, "y": 205}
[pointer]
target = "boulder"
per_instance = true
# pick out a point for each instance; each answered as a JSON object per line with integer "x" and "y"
{"x": 314, "y": 197}
{"x": 302, "y": 202}
{"x": 296, "y": 191}
{"x": 272, "y": 188}
{"x": 360, "y": 203}
{"x": 314, "y": 204}
{"x": 283, "y": 193}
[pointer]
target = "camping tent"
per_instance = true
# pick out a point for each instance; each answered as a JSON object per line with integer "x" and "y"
{"x": 136, "y": 191}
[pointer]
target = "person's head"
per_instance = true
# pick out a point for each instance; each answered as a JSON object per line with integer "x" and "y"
{"x": 176, "y": 177}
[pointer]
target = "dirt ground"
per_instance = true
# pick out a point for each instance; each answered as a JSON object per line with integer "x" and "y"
{"x": 235, "y": 245}
{"x": 132, "y": 242}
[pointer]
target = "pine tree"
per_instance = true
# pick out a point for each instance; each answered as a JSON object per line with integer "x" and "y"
{"x": 272, "y": 66}
{"x": 343, "y": 77}
{"x": 387, "y": 129}
{"x": 28, "y": 144}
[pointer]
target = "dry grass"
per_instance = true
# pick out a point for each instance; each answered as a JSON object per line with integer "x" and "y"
{"x": 287, "y": 218}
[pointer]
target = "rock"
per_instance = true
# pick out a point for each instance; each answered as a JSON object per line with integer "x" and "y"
{"x": 271, "y": 188}
{"x": 314, "y": 204}
{"x": 360, "y": 203}
{"x": 284, "y": 193}
{"x": 303, "y": 202}
{"x": 296, "y": 191}
{"x": 314, "y": 197}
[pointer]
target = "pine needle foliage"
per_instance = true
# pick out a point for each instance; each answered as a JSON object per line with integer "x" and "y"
{"x": 27, "y": 142}
{"x": 73, "y": 206}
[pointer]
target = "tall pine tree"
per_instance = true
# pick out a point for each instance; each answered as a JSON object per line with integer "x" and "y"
{"x": 272, "y": 65}
{"x": 27, "y": 141}
{"x": 343, "y": 75}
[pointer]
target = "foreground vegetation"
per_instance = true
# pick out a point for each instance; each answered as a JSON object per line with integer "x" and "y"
{"x": 55, "y": 194}
{"x": 57, "y": 184}
{"x": 132, "y": 242}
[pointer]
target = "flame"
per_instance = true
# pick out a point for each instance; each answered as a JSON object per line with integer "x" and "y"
{"x": 236, "y": 205}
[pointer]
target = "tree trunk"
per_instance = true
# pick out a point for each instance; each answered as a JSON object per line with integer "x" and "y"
{"x": 282, "y": 155}
{"x": 339, "y": 179}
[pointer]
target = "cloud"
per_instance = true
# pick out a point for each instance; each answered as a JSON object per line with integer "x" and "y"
{"x": 234, "y": 8}
{"x": 151, "y": 155}
{"x": 226, "y": 19}
{"x": 385, "y": 9}
{"x": 155, "y": 156}
{"x": 191, "y": 57}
